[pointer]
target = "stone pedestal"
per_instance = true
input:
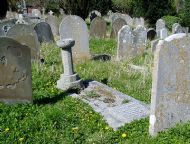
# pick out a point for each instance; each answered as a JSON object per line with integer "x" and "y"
{"x": 68, "y": 80}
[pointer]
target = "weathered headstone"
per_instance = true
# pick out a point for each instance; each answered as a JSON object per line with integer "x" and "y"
{"x": 160, "y": 24}
{"x": 170, "y": 102}
{"x": 26, "y": 35}
{"x": 75, "y": 27}
{"x": 177, "y": 28}
{"x": 98, "y": 28}
{"x": 154, "y": 44}
{"x": 116, "y": 26}
{"x": 140, "y": 39}
{"x": 6, "y": 25}
{"x": 125, "y": 47}
{"x": 52, "y": 21}
{"x": 20, "y": 20}
{"x": 15, "y": 72}
{"x": 128, "y": 19}
{"x": 36, "y": 13}
{"x": 44, "y": 32}
{"x": 163, "y": 33}
{"x": 138, "y": 21}
{"x": 151, "y": 34}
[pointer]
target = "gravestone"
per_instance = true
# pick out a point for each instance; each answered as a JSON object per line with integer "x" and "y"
{"x": 36, "y": 13}
{"x": 93, "y": 14}
{"x": 15, "y": 72}
{"x": 160, "y": 24}
{"x": 138, "y": 21}
{"x": 163, "y": 33}
{"x": 6, "y": 25}
{"x": 128, "y": 19}
{"x": 140, "y": 39}
{"x": 177, "y": 28}
{"x": 170, "y": 102}
{"x": 26, "y": 35}
{"x": 116, "y": 26}
{"x": 75, "y": 27}
{"x": 151, "y": 34}
{"x": 125, "y": 47}
{"x": 154, "y": 44}
{"x": 98, "y": 28}
{"x": 52, "y": 21}
{"x": 44, "y": 32}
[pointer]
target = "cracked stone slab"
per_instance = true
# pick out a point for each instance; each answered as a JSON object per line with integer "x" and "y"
{"x": 116, "y": 108}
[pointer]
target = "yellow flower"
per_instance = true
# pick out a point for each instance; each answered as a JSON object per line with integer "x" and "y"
{"x": 75, "y": 129}
{"x": 124, "y": 135}
{"x": 21, "y": 139}
{"x": 106, "y": 128}
{"x": 7, "y": 129}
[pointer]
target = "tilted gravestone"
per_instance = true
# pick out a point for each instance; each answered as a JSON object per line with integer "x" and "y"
{"x": 98, "y": 28}
{"x": 26, "y": 35}
{"x": 160, "y": 24}
{"x": 125, "y": 47}
{"x": 44, "y": 32}
{"x": 15, "y": 72}
{"x": 53, "y": 22}
{"x": 116, "y": 26}
{"x": 140, "y": 39}
{"x": 170, "y": 102}
{"x": 75, "y": 27}
{"x": 151, "y": 34}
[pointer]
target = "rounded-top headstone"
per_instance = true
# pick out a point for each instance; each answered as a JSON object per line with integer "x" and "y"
{"x": 177, "y": 28}
{"x": 116, "y": 26}
{"x": 98, "y": 28}
{"x": 160, "y": 24}
{"x": 26, "y": 35}
{"x": 44, "y": 32}
{"x": 53, "y": 22}
{"x": 75, "y": 27}
{"x": 151, "y": 34}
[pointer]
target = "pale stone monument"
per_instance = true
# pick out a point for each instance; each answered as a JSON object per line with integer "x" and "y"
{"x": 69, "y": 79}
{"x": 160, "y": 24}
{"x": 98, "y": 28}
{"x": 116, "y": 26}
{"x": 75, "y": 27}
{"x": 15, "y": 72}
{"x": 177, "y": 28}
{"x": 125, "y": 47}
{"x": 21, "y": 20}
{"x": 163, "y": 33}
{"x": 26, "y": 35}
{"x": 170, "y": 101}
{"x": 52, "y": 21}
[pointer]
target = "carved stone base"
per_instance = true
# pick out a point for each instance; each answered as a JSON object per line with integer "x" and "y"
{"x": 69, "y": 82}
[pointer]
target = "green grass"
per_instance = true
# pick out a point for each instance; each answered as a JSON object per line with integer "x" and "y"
{"x": 56, "y": 118}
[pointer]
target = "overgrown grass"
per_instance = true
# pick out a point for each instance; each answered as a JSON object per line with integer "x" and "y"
{"x": 56, "y": 118}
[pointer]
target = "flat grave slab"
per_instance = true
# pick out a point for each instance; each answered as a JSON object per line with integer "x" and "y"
{"x": 116, "y": 108}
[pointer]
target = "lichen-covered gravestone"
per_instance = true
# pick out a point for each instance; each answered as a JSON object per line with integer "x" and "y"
{"x": 170, "y": 102}
{"x": 140, "y": 39}
{"x": 177, "y": 28}
{"x": 26, "y": 35}
{"x": 98, "y": 28}
{"x": 44, "y": 32}
{"x": 116, "y": 26}
{"x": 160, "y": 24}
{"x": 75, "y": 27}
{"x": 53, "y": 22}
{"x": 138, "y": 21}
{"x": 15, "y": 72}
{"x": 125, "y": 47}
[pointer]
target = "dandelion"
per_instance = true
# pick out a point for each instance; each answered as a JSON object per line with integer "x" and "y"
{"x": 7, "y": 129}
{"x": 124, "y": 135}
{"x": 21, "y": 139}
{"x": 75, "y": 129}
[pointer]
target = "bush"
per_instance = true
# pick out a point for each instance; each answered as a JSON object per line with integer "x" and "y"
{"x": 170, "y": 20}
{"x": 185, "y": 14}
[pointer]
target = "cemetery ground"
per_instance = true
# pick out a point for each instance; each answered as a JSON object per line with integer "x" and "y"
{"x": 54, "y": 117}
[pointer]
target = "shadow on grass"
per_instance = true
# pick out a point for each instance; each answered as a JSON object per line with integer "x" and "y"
{"x": 54, "y": 99}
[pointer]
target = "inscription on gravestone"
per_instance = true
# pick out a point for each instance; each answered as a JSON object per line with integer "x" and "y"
{"x": 15, "y": 72}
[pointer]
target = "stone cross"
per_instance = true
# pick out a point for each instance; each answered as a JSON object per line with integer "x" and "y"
{"x": 69, "y": 79}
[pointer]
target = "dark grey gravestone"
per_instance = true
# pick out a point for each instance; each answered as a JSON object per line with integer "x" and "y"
{"x": 98, "y": 28}
{"x": 53, "y": 22}
{"x": 116, "y": 26}
{"x": 15, "y": 72}
{"x": 75, "y": 27}
{"x": 151, "y": 34}
{"x": 26, "y": 35}
{"x": 44, "y": 32}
